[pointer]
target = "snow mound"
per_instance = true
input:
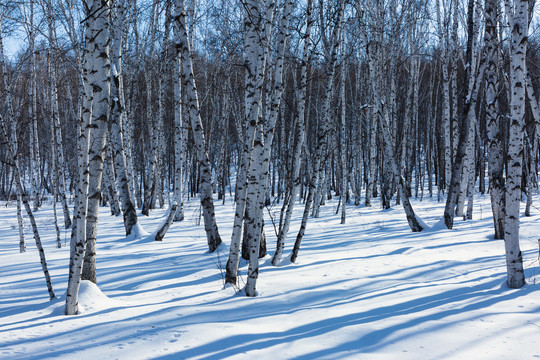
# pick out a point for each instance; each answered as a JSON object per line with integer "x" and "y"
{"x": 137, "y": 232}
{"x": 422, "y": 223}
{"x": 439, "y": 225}
{"x": 91, "y": 298}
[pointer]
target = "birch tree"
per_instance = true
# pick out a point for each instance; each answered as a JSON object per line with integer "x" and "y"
{"x": 117, "y": 114}
{"x": 324, "y": 129}
{"x": 493, "y": 119}
{"x": 35, "y": 158}
{"x": 294, "y": 179}
{"x": 179, "y": 155}
{"x": 99, "y": 80}
{"x": 517, "y": 13}
{"x": 183, "y": 48}
{"x": 468, "y": 117}
{"x": 261, "y": 152}
{"x": 442, "y": 26}
{"x": 58, "y": 143}
{"x": 91, "y": 145}
{"x": 255, "y": 40}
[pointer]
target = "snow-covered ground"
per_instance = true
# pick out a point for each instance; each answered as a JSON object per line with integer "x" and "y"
{"x": 369, "y": 289}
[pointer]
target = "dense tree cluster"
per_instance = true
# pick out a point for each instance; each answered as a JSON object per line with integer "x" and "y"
{"x": 135, "y": 104}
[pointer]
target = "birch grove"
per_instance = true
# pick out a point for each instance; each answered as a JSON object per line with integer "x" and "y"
{"x": 279, "y": 110}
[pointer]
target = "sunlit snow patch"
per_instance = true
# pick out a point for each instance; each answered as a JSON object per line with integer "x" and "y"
{"x": 91, "y": 298}
{"x": 137, "y": 232}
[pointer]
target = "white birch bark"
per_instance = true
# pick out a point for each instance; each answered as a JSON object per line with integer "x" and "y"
{"x": 467, "y": 116}
{"x": 94, "y": 114}
{"x": 99, "y": 80}
{"x": 160, "y": 234}
{"x": 59, "y": 174}
{"x": 475, "y": 79}
{"x": 468, "y": 160}
{"x": 164, "y": 66}
{"x": 35, "y": 161}
{"x": 150, "y": 181}
{"x": 205, "y": 187}
{"x": 372, "y": 168}
{"x": 532, "y": 145}
{"x": 178, "y": 140}
{"x": 372, "y": 127}
{"x": 20, "y": 221}
{"x": 54, "y": 187}
{"x": 78, "y": 235}
{"x": 517, "y": 12}
{"x": 493, "y": 119}
{"x": 454, "y": 60}
{"x": 254, "y": 63}
{"x": 109, "y": 180}
{"x": 295, "y": 179}
{"x": 445, "y": 59}
{"x": 470, "y": 193}
{"x": 318, "y": 198}
{"x": 117, "y": 121}
{"x": 54, "y": 117}
{"x": 55, "y": 214}
{"x": 409, "y": 122}
{"x": 323, "y": 131}
{"x": 262, "y": 151}
{"x": 342, "y": 147}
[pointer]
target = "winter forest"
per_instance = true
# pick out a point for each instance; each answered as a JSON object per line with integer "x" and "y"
{"x": 315, "y": 179}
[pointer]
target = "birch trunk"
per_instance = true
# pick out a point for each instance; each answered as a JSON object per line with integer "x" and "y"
{"x": 117, "y": 120}
{"x": 178, "y": 141}
{"x": 99, "y": 81}
{"x": 517, "y": 12}
{"x": 20, "y": 220}
{"x": 58, "y": 144}
{"x": 54, "y": 117}
{"x": 262, "y": 150}
{"x": 35, "y": 161}
{"x": 493, "y": 120}
{"x": 343, "y": 149}
{"x": 165, "y": 226}
{"x": 254, "y": 63}
{"x": 469, "y": 158}
{"x": 78, "y": 234}
{"x": 160, "y": 139}
{"x": 323, "y": 132}
{"x": 109, "y": 180}
{"x": 94, "y": 114}
{"x": 151, "y": 155}
{"x": 467, "y": 117}
{"x": 372, "y": 168}
{"x": 454, "y": 63}
{"x": 207, "y": 202}
{"x": 55, "y": 196}
{"x": 532, "y": 149}
{"x": 299, "y": 142}
{"x": 469, "y": 163}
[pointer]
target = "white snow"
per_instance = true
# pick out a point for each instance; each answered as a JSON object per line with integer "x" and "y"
{"x": 370, "y": 289}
